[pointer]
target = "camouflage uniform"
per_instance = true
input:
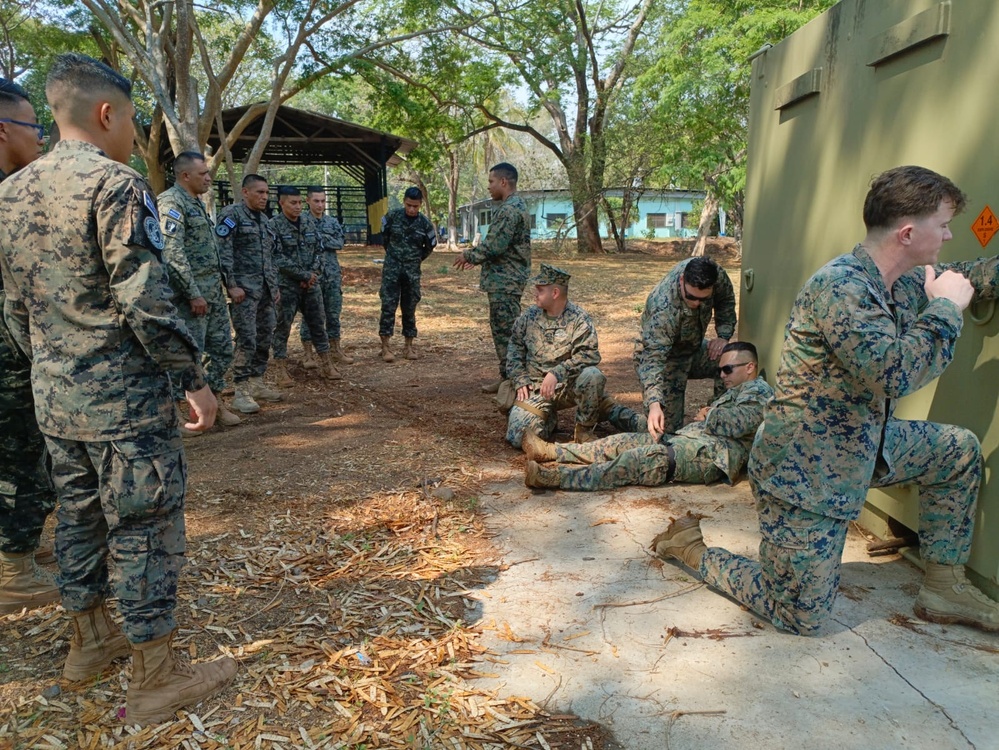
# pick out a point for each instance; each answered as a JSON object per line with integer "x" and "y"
{"x": 88, "y": 296}
{"x": 565, "y": 346}
{"x": 408, "y": 242}
{"x": 505, "y": 257}
{"x": 246, "y": 244}
{"x": 672, "y": 347}
{"x": 298, "y": 253}
{"x": 330, "y": 278}
{"x": 26, "y": 496}
{"x": 700, "y": 453}
{"x": 192, "y": 262}
{"x": 851, "y": 349}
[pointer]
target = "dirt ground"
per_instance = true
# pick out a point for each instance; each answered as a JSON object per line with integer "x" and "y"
{"x": 335, "y": 539}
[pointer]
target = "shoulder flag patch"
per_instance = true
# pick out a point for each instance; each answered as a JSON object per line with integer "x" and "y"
{"x": 173, "y": 213}
{"x": 225, "y": 227}
{"x": 150, "y": 204}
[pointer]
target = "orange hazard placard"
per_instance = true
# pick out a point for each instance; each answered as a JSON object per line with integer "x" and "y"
{"x": 985, "y": 226}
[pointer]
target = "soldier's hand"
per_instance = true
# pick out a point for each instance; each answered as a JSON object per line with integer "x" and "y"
{"x": 657, "y": 420}
{"x": 199, "y": 306}
{"x": 715, "y": 347}
{"x": 203, "y": 408}
{"x": 702, "y": 414}
{"x": 523, "y": 393}
{"x": 548, "y": 386}
{"x": 461, "y": 264}
{"x": 949, "y": 285}
{"x": 236, "y": 294}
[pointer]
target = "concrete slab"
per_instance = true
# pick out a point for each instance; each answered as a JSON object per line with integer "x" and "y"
{"x": 585, "y": 621}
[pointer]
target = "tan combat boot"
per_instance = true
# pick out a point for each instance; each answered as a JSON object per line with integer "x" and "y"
{"x": 947, "y": 596}
{"x": 409, "y": 350}
{"x": 184, "y": 432}
{"x": 537, "y": 449}
{"x": 225, "y": 417}
{"x": 243, "y": 402}
{"x": 309, "y": 361}
{"x": 536, "y": 475}
{"x": 22, "y": 585}
{"x": 339, "y": 355}
{"x": 162, "y": 684}
{"x": 583, "y": 433}
{"x": 97, "y": 641}
{"x": 279, "y": 370}
{"x": 260, "y": 391}
{"x": 327, "y": 368}
{"x": 44, "y": 555}
{"x": 387, "y": 355}
{"x": 681, "y": 541}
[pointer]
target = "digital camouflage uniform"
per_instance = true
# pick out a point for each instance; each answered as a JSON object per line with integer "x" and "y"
{"x": 700, "y": 453}
{"x": 330, "y": 277}
{"x": 26, "y": 495}
{"x": 408, "y": 242}
{"x": 89, "y": 297}
{"x": 565, "y": 346}
{"x": 298, "y": 253}
{"x": 245, "y": 245}
{"x": 852, "y": 348}
{"x": 192, "y": 262}
{"x": 672, "y": 346}
{"x": 505, "y": 257}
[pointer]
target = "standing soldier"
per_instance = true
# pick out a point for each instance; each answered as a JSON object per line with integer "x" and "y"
{"x": 245, "y": 247}
{"x": 26, "y": 495}
{"x": 505, "y": 257}
{"x": 409, "y": 238}
{"x": 330, "y": 280}
{"x": 298, "y": 255}
{"x": 88, "y": 297}
{"x": 192, "y": 262}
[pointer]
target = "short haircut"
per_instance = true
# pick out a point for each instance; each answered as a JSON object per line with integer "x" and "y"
{"x": 11, "y": 94}
{"x": 701, "y": 272}
{"x": 742, "y": 346}
{"x": 185, "y": 160}
{"x": 909, "y": 191}
{"x": 413, "y": 194}
{"x": 251, "y": 179}
{"x": 506, "y": 172}
{"x": 315, "y": 189}
{"x": 75, "y": 80}
{"x": 285, "y": 190}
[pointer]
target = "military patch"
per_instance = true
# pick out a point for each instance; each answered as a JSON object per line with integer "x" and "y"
{"x": 173, "y": 213}
{"x": 225, "y": 227}
{"x": 151, "y": 205}
{"x": 170, "y": 227}
{"x": 152, "y": 227}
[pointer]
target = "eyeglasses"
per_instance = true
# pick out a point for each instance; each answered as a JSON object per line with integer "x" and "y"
{"x": 693, "y": 298}
{"x": 40, "y": 129}
{"x": 729, "y": 369}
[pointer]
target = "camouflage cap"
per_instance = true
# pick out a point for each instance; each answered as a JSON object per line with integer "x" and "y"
{"x": 549, "y": 274}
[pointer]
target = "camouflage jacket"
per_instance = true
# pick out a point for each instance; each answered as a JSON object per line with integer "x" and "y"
{"x": 851, "y": 349}
{"x": 5, "y": 334}
{"x": 189, "y": 249}
{"x": 505, "y": 253}
{"x": 89, "y": 297}
{"x": 408, "y": 241}
{"x": 332, "y": 232}
{"x": 671, "y": 328}
{"x": 727, "y": 433}
{"x": 246, "y": 247}
{"x": 540, "y": 344}
{"x": 298, "y": 247}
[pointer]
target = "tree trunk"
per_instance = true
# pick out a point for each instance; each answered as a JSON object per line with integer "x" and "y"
{"x": 708, "y": 212}
{"x": 454, "y": 175}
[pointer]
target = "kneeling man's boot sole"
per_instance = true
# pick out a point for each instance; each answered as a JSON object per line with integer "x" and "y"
{"x": 682, "y": 542}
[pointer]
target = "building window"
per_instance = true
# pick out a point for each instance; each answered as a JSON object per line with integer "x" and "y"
{"x": 534, "y": 221}
{"x": 684, "y": 220}
{"x": 655, "y": 221}
{"x": 555, "y": 221}
{"x": 485, "y": 217}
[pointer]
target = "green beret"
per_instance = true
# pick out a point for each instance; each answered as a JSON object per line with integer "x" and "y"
{"x": 549, "y": 274}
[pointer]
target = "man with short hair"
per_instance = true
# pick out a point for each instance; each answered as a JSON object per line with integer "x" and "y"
{"x": 409, "y": 238}
{"x": 552, "y": 361}
{"x": 298, "y": 256}
{"x": 330, "y": 280}
{"x": 88, "y": 297}
{"x": 869, "y": 327}
{"x": 672, "y": 345}
{"x": 26, "y": 496}
{"x": 192, "y": 261}
{"x": 712, "y": 447}
{"x": 246, "y": 246}
{"x": 505, "y": 257}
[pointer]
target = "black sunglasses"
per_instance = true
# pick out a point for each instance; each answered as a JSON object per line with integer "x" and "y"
{"x": 691, "y": 297}
{"x": 729, "y": 369}
{"x": 40, "y": 129}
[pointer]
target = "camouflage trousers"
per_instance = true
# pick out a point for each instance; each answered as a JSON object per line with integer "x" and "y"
{"x": 310, "y": 302}
{"x": 794, "y": 584}
{"x": 123, "y": 499}
{"x": 400, "y": 289}
{"x": 213, "y": 335}
{"x": 679, "y": 369}
{"x": 504, "y": 309}
{"x": 586, "y": 393}
{"x": 253, "y": 320}
{"x": 634, "y": 458}
{"x": 26, "y": 495}
{"x": 331, "y": 290}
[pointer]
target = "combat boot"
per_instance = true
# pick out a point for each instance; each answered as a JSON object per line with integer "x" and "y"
{"x": 184, "y": 432}
{"x": 387, "y": 355}
{"x": 309, "y": 361}
{"x": 225, "y": 417}
{"x": 536, "y": 475}
{"x": 162, "y": 683}
{"x": 537, "y": 449}
{"x": 97, "y": 641}
{"x": 681, "y": 541}
{"x": 279, "y": 369}
{"x": 263, "y": 392}
{"x": 409, "y": 350}
{"x": 44, "y": 555}
{"x": 947, "y": 597}
{"x": 243, "y": 402}
{"x": 327, "y": 368}
{"x": 339, "y": 355}
{"x": 583, "y": 433}
{"x": 22, "y": 585}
